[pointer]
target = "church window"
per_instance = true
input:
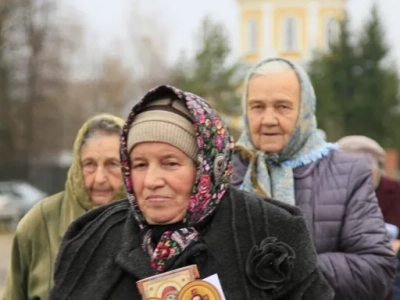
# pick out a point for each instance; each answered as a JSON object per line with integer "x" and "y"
{"x": 290, "y": 34}
{"x": 252, "y": 34}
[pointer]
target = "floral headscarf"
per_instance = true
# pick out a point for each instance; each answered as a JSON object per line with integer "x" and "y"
{"x": 272, "y": 175}
{"x": 213, "y": 173}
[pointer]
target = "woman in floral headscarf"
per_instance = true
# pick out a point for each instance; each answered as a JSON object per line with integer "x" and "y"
{"x": 181, "y": 210}
{"x": 281, "y": 154}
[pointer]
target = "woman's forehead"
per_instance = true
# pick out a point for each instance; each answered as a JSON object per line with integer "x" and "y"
{"x": 154, "y": 150}
{"x": 277, "y": 85}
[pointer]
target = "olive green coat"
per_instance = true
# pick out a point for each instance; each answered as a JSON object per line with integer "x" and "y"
{"x": 39, "y": 233}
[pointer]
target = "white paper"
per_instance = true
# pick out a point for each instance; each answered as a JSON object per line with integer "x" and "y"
{"x": 214, "y": 280}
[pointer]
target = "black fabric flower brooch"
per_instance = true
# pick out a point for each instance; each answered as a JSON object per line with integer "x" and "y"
{"x": 269, "y": 266}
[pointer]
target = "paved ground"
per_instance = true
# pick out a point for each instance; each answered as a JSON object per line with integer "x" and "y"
{"x": 5, "y": 250}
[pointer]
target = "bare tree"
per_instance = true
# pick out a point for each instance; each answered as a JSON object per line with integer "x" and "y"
{"x": 38, "y": 50}
{"x": 118, "y": 79}
{"x": 106, "y": 88}
{"x": 149, "y": 49}
{"x": 7, "y": 132}
{"x": 35, "y": 16}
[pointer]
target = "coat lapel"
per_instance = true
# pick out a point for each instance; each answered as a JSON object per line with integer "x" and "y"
{"x": 131, "y": 258}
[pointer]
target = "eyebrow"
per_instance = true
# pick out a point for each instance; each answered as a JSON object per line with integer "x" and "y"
{"x": 112, "y": 158}
{"x": 277, "y": 100}
{"x": 89, "y": 158}
{"x": 285, "y": 101}
{"x": 165, "y": 156}
{"x": 137, "y": 158}
{"x": 256, "y": 101}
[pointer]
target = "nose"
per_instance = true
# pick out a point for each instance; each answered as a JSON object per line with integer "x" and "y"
{"x": 100, "y": 176}
{"x": 269, "y": 117}
{"x": 153, "y": 178}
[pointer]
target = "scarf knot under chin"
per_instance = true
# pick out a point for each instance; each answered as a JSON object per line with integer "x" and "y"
{"x": 272, "y": 175}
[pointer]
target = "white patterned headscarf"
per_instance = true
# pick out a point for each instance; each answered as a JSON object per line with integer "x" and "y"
{"x": 272, "y": 175}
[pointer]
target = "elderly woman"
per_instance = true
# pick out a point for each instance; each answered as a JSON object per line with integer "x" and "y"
{"x": 181, "y": 210}
{"x": 94, "y": 179}
{"x": 281, "y": 154}
{"x": 387, "y": 189}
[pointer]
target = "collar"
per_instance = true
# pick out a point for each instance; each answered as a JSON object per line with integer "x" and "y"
{"x": 69, "y": 211}
{"x": 134, "y": 260}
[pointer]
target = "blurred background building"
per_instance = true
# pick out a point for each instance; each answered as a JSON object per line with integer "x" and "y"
{"x": 293, "y": 29}
{"x": 61, "y": 62}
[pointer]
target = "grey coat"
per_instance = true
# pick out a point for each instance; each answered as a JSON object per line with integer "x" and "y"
{"x": 337, "y": 197}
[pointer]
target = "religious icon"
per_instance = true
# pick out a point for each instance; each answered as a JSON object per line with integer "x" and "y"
{"x": 166, "y": 286}
{"x": 199, "y": 290}
{"x": 170, "y": 293}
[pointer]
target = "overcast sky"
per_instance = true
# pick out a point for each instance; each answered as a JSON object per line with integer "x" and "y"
{"x": 107, "y": 20}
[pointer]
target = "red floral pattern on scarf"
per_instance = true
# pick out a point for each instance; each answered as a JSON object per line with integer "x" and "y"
{"x": 213, "y": 174}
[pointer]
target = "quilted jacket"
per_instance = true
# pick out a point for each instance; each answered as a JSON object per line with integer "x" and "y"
{"x": 337, "y": 197}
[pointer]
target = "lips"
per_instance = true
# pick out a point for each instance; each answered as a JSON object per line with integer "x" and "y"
{"x": 100, "y": 192}
{"x": 157, "y": 198}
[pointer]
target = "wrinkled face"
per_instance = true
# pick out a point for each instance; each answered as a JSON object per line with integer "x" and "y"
{"x": 273, "y": 104}
{"x": 162, "y": 178}
{"x": 101, "y": 168}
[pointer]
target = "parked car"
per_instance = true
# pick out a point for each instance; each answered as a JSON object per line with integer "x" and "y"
{"x": 24, "y": 195}
{"x": 9, "y": 211}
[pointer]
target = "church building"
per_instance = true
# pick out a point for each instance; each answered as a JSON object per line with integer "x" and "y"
{"x": 291, "y": 29}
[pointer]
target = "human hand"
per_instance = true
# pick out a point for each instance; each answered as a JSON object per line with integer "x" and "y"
{"x": 396, "y": 245}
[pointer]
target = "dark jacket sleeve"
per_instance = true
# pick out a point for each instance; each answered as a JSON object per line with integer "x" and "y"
{"x": 290, "y": 228}
{"x": 68, "y": 263}
{"x": 81, "y": 247}
{"x": 366, "y": 265}
{"x": 396, "y": 286}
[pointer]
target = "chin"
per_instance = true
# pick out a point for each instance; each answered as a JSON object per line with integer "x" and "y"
{"x": 161, "y": 220}
{"x": 101, "y": 201}
{"x": 271, "y": 149}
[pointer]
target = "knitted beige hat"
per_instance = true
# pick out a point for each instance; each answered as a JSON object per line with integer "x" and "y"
{"x": 165, "y": 121}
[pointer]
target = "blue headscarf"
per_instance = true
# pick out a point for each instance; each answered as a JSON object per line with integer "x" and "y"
{"x": 272, "y": 175}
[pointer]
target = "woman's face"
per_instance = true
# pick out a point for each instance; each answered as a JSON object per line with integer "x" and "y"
{"x": 162, "y": 179}
{"x": 101, "y": 168}
{"x": 273, "y": 104}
